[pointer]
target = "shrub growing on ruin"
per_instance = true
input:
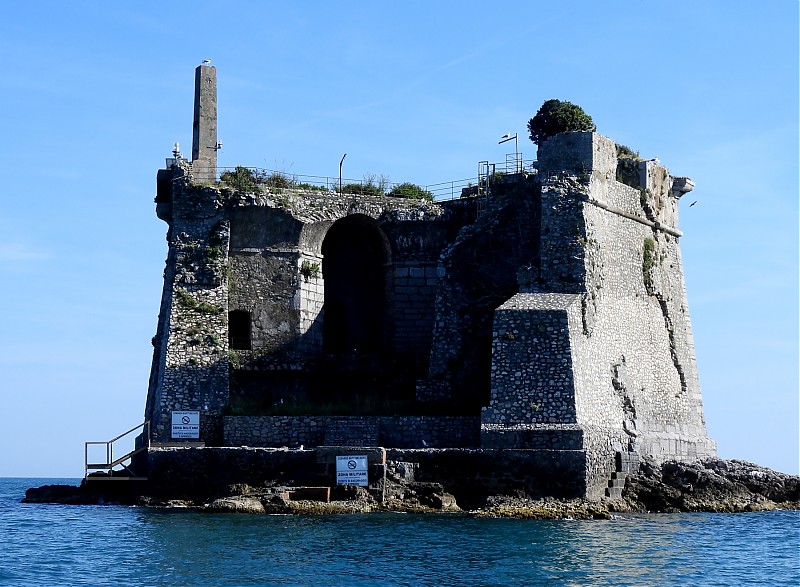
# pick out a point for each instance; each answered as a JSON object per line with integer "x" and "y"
{"x": 411, "y": 191}
{"x": 241, "y": 178}
{"x": 279, "y": 180}
{"x": 557, "y": 116}
{"x": 625, "y": 152}
{"x": 363, "y": 189}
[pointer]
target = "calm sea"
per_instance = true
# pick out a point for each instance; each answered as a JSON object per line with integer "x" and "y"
{"x": 110, "y": 545}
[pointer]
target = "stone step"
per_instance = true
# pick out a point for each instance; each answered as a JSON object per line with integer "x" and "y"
{"x": 616, "y": 483}
{"x": 627, "y": 462}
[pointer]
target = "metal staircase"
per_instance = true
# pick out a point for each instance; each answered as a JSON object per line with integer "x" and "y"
{"x": 117, "y": 468}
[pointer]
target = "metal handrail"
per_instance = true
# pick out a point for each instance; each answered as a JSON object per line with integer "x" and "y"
{"x": 449, "y": 190}
{"x": 442, "y": 191}
{"x": 110, "y": 461}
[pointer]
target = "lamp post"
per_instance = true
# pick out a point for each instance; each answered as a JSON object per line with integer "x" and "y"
{"x": 340, "y": 172}
{"x": 507, "y": 137}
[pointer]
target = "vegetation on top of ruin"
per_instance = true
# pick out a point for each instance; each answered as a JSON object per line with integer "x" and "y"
{"x": 557, "y": 116}
{"x": 363, "y": 189}
{"x": 246, "y": 179}
{"x": 241, "y": 178}
{"x": 411, "y": 191}
{"x": 625, "y": 152}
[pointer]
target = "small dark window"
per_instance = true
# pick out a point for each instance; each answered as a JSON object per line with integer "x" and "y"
{"x": 239, "y": 330}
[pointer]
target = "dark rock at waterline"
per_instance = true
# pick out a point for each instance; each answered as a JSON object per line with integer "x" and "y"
{"x": 713, "y": 485}
{"x": 111, "y": 493}
{"x": 63, "y": 494}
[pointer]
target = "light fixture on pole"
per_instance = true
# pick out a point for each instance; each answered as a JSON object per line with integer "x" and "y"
{"x": 340, "y": 172}
{"x": 507, "y": 137}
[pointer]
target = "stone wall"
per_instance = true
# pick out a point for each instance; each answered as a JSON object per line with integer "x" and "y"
{"x": 189, "y": 471}
{"x": 577, "y": 154}
{"x": 479, "y": 273}
{"x": 265, "y": 285}
{"x": 470, "y": 475}
{"x": 532, "y": 369}
{"x": 613, "y": 353}
{"x": 260, "y": 253}
{"x": 635, "y": 364}
{"x": 190, "y": 347}
{"x": 532, "y": 436}
{"x": 310, "y": 431}
{"x": 413, "y": 304}
{"x": 311, "y": 296}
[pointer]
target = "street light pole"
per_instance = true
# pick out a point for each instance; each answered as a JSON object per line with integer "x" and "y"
{"x": 507, "y": 137}
{"x": 340, "y": 172}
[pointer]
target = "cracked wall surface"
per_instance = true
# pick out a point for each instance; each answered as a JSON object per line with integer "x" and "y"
{"x": 621, "y": 350}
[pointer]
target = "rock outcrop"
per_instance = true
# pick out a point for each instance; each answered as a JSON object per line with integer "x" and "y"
{"x": 711, "y": 485}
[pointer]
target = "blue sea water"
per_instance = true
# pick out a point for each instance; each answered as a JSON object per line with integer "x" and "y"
{"x": 113, "y": 545}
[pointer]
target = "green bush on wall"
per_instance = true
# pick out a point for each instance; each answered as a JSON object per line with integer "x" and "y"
{"x": 411, "y": 191}
{"x": 557, "y": 116}
{"x": 241, "y": 178}
{"x": 362, "y": 189}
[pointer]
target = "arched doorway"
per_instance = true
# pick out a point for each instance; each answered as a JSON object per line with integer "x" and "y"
{"x": 354, "y": 266}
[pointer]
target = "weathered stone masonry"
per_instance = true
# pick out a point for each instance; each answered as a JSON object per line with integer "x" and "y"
{"x": 554, "y": 322}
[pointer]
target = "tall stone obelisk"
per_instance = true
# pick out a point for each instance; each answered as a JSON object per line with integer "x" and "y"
{"x": 204, "y": 130}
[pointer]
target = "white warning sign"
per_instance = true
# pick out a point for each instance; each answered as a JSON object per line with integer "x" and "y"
{"x": 351, "y": 470}
{"x": 186, "y": 424}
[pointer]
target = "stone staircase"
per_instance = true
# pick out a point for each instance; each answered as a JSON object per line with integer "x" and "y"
{"x": 352, "y": 431}
{"x": 626, "y": 463}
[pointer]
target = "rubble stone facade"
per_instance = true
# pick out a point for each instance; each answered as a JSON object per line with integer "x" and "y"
{"x": 547, "y": 312}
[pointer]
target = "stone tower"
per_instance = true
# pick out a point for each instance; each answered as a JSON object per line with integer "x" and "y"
{"x": 548, "y": 319}
{"x": 595, "y": 351}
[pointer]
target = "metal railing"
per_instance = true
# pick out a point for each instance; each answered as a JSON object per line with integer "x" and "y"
{"x": 110, "y": 460}
{"x": 369, "y": 185}
{"x": 449, "y": 190}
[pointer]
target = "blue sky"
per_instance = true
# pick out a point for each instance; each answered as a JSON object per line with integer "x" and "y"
{"x": 93, "y": 96}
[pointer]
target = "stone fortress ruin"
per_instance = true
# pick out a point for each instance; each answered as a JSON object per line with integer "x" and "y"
{"x": 531, "y": 334}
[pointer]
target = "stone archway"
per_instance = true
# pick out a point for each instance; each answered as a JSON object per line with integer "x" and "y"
{"x": 356, "y": 258}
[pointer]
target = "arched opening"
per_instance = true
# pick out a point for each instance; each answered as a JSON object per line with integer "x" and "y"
{"x": 354, "y": 265}
{"x": 239, "y": 330}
